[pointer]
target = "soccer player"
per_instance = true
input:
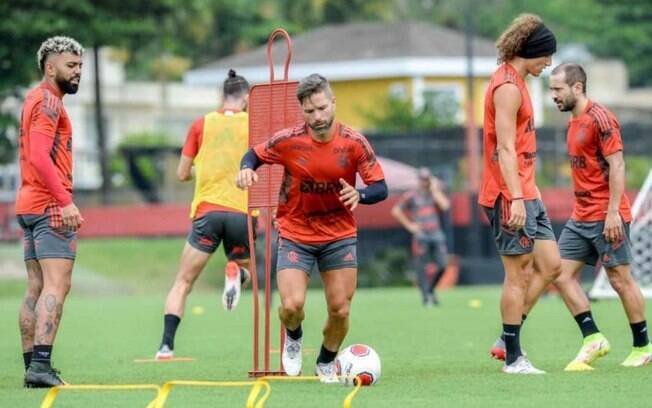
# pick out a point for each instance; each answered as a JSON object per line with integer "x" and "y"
{"x": 44, "y": 206}
{"x": 599, "y": 225}
{"x": 315, "y": 216}
{"x": 214, "y": 146}
{"x": 429, "y": 243}
{"x": 508, "y": 194}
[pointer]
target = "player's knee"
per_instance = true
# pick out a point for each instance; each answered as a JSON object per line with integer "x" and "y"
{"x": 563, "y": 280}
{"x": 554, "y": 271}
{"x": 34, "y": 288}
{"x": 184, "y": 283}
{"x": 619, "y": 280}
{"x": 292, "y": 306}
{"x": 339, "y": 311}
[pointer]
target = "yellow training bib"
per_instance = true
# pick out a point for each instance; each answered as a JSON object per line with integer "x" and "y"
{"x": 224, "y": 142}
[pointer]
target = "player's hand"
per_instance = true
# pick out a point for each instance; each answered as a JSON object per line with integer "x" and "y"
{"x": 614, "y": 231}
{"x": 435, "y": 184}
{"x": 71, "y": 217}
{"x": 274, "y": 220}
{"x": 517, "y": 218}
{"x": 414, "y": 228}
{"x": 246, "y": 178}
{"x": 349, "y": 196}
{"x": 538, "y": 193}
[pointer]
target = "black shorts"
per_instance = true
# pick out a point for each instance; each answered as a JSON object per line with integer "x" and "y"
{"x": 216, "y": 227}
{"x": 329, "y": 256}
{"x": 537, "y": 227}
{"x": 584, "y": 242}
{"x": 45, "y": 236}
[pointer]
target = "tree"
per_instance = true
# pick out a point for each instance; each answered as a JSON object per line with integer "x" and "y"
{"x": 93, "y": 22}
{"x": 609, "y": 28}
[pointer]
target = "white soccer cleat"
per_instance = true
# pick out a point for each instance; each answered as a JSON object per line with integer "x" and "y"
{"x": 164, "y": 353}
{"x": 232, "y": 284}
{"x": 593, "y": 347}
{"x": 521, "y": 366}
{"x": 292, "y": 356}
{"x": 326, "y": 373}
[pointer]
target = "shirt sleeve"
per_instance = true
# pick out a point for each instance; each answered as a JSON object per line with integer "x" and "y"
{"x": 42, "y": 134}
{"x": 46, "y": 115}
{"x": 194, "y": 139}
{"x": 609, "y": 137}
{"x": 367, "y": 163}
{"x": 270, "y": 152}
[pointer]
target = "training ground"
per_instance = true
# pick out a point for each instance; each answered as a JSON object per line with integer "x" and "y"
{"x": 431, "y": 357}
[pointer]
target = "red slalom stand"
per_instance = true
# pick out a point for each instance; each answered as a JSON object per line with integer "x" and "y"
{"x": 272, "y": 107}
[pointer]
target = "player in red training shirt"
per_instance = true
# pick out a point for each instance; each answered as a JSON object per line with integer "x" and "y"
{"x": 44, "y": 205}
{"x": 315, "y": 216}
{"x": 509, "y": 196}
{"x": 599, "y": 226}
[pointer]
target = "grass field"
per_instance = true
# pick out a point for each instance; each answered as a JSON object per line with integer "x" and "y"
{"x": 435, "y": 357}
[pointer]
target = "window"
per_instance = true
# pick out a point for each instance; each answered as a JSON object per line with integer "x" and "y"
{"x": 444, "y": 101}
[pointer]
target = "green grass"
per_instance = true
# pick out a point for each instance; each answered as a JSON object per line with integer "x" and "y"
{"x": 135, "y": 266}
{"x": 431, "y": 357}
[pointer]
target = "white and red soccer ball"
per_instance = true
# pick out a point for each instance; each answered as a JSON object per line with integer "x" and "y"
{"x": 358, "y": 360}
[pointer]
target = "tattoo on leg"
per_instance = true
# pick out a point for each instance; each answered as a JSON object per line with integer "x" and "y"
{"x": 47, "y": 329}
{"x": 27, "y": 321}
{"x": 30, "y": 303}
{"x": 50, "y": 303}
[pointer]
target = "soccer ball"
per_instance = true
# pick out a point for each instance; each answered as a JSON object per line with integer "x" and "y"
{"x": 358, "y": 360}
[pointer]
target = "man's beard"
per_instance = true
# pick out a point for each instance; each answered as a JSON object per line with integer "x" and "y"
{"x": 322, "y": 128}
{"x": 67, "y": 86}
{"x": 568, "y": 104}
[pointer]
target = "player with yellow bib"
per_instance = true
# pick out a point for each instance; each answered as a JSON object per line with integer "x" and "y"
{"x": 214, "y": 146}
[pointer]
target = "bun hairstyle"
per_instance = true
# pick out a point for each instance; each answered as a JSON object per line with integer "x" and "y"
{"x": 235, "y": 85}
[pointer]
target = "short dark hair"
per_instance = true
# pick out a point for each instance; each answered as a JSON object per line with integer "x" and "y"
{"x": 311, "y": 85}
{"x": 573, "y": 73}
{"x": 57, "y": 45}
{"x": 235, "y": 85}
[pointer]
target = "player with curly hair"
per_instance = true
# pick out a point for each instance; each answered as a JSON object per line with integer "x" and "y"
{"x": 509, "y": 195}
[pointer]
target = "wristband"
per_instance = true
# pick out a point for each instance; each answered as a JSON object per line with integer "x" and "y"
{"x": 517, "y": 198}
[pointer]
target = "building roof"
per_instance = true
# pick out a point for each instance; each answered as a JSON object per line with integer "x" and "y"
{"x": 380, "y": 49}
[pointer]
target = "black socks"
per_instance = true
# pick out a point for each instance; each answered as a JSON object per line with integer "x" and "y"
{"x": 27, "y": 358}
{"x": 325, "y": 355}
{"x": 511, "y": 333}
{"x": 586, "y": 323}
{"x": 523, "y": 317}
{"x": 42, "y": 353}
{"x": 171, "y": 322}
{"x": 295, "y": 334}
{"x": 639, "y": 333}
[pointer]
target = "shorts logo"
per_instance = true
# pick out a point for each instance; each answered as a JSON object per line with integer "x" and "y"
{"x": 293, "y": 257}
{"x": 617, "y": 244}
{"x": 349, "y": 257}
{"x": 205, "y": 241}
{"x": 238, "y": 250}
{"x": 525, "y": 242}
{"x": 605, "y": 258}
